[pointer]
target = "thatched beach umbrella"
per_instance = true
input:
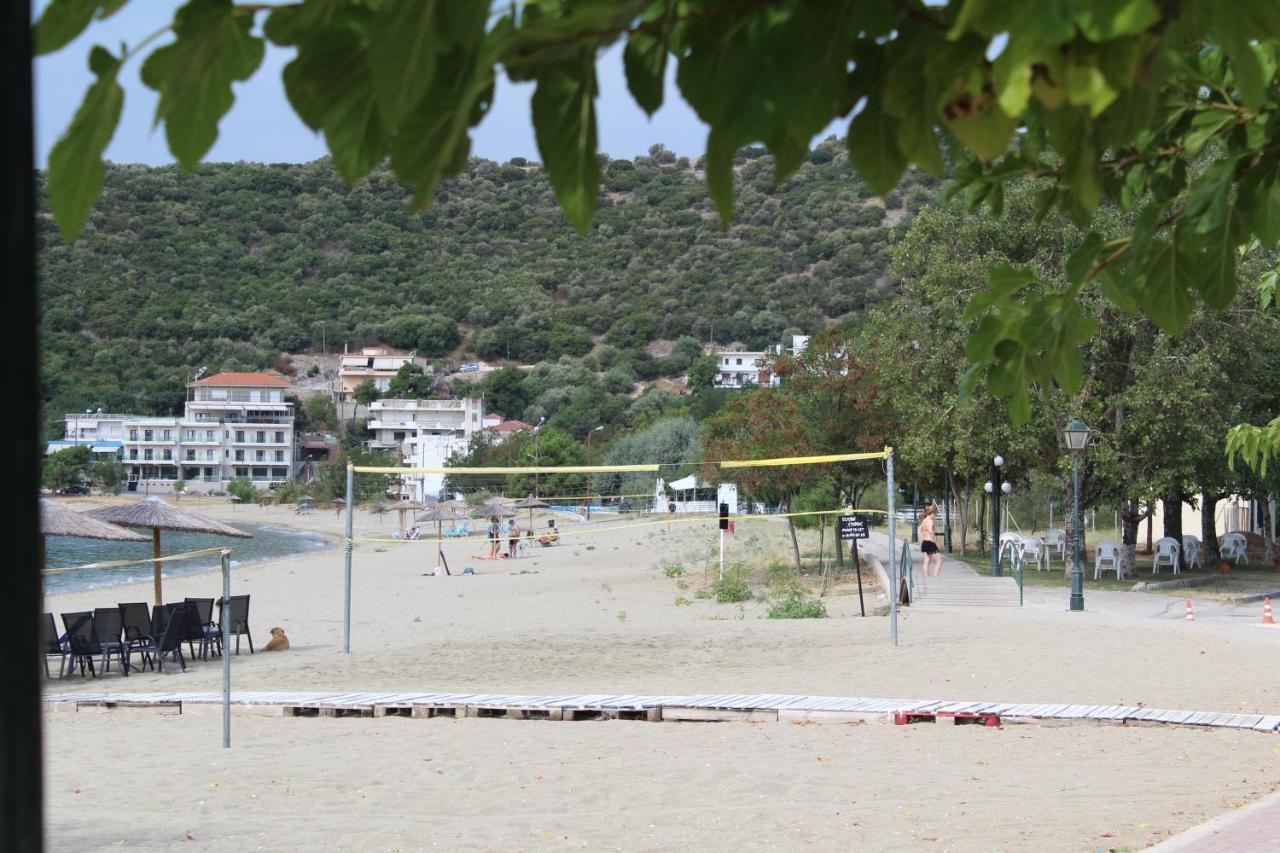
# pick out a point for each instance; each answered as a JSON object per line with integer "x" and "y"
{"x": 57, "y": 520}
{"x": 404, "y": 506}
{"x": 379, "y": 509}
{"x": 492, "y": 509}
{"x": 235, "y": 500}
{"x": 440, "y": 513}
{"x": 158, "y": 515}
{"x": 531, "y": 503}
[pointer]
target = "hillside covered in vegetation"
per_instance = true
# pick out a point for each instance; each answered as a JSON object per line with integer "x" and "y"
{"x": 235, "y": 264}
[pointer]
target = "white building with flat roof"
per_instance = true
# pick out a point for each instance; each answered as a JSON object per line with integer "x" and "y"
{"x": 377, "y": 364}
{"x": 235, "y": 425}
{"x": 424, "y": 433}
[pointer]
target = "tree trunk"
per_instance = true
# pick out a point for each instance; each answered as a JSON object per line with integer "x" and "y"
{"x": 1268, "y": 541}
{"x": 1209, "y": 554}
{"x": 1130, "y": 517}
{"x": 1151, "y": 522}
{"x": 795, "y": 543}
{"x": 835, "y": 537}
{"x": 1172, "y": 507}
{"x": 982, "y": 525}
{"x": 822, "y": 554}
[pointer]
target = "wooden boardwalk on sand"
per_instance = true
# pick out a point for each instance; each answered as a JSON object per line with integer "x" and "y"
{"x": 750, "y": 707}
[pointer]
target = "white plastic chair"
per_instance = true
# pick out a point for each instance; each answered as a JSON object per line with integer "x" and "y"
{"x": 1235, "y": 547}
{"x": 1056, "y": 540}
{"x": 1190, "y": 552}
{"x": 1034, "y": 550}
{"x": 1010, "y": 543}
{"x": 1107, "y": 559}
{"x": 1166, "y": 554}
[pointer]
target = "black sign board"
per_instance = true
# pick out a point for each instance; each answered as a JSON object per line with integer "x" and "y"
{"x": 853, "y": 527}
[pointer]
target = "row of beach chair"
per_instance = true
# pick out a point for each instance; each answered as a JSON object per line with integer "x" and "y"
{"x": 133, "y": 629}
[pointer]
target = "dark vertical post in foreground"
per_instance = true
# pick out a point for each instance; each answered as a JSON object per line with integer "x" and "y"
{"x": 946, "y": 501}
{"x": 346, "y": 566}
{"x": 21, "y": 785}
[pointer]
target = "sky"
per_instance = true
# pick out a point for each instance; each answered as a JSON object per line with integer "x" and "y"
{"x": 261, "y": 126}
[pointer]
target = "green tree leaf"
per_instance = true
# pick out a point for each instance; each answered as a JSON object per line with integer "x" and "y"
{"x": 75, "y": 163}
{"x": 405, "y": 39}
{"x": 61, "y": 21}
{"x": 213, "y": 49}
{"x": 644, "y": 59}
{"x": 564, "y": 122}
{"x": 1166, "y": 294}
{"x": 873, "y": 148}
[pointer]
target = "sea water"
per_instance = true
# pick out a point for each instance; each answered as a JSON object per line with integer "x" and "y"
{"x": 268, "y": 543}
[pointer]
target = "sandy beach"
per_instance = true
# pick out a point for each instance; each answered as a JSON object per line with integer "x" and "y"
{"x": 598, "y": 613}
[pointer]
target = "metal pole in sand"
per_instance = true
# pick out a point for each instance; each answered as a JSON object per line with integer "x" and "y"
{"x": 722, "y": 554}
{"x": 226, "y": 649}
{"x": 346, "y": 579}
{"x": 893, "y": 562}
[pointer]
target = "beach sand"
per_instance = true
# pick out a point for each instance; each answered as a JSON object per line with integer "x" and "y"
{"x": 597, "y": 614}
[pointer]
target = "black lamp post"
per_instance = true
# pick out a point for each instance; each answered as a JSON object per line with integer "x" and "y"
{"x": 995, "y": 488}
{"x": 1076, "y": 436}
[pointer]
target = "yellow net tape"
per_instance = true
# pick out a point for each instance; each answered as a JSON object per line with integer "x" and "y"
{"x": 605, "y": 469}
{"x": 557, "y": 469}
{"x": 111, "y": 564}
{"x": 804, "y": 460}
{"x": 689, "y": 518}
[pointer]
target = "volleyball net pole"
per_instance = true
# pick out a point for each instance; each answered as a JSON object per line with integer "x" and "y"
{"x": 652, "y": 468}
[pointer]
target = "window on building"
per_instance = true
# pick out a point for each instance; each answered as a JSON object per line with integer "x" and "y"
{"x": 279, "y": 473}
{"x": 240, "y": 436}
{"x": 242, "y": 472}
{"x": 168, "y": 454}
{"x": 209, "y": 454}
{"x": 279, "y": 436}
{"x": 239, "y": 455}
{"x": 262, "y": 436}
{"x": 133, "y": 435}
{"x": 255, "y": 396}
{"x": 191, "y": 435}
{"x": 147, "y": 435}
{"x": 260, "y": 456}
{"x": 217, "y": 393}
{"x": 739, "y": 361}
{"x": 148, "y": 453}
{"x": 168, "y": 435}
{"x": 208, "y": 435}
{"x": 191, "y": 456}
{"x": 133, "y": 453}
{"x": 279, "y": 455}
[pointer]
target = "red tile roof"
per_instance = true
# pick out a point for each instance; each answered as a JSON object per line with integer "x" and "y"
{"x": 260, "y": 379}
{"x": 511, "y": 426}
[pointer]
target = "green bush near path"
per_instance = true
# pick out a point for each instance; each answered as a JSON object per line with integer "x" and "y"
{"x": 797, "y": 606}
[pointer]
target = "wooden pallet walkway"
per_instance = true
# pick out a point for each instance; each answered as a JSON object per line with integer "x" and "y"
{"x": 752, "y": 707}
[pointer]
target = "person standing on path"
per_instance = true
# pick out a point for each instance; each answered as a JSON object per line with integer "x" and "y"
{"x": 928, "y": 546}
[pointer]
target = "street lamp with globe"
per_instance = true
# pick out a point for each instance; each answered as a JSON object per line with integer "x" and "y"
{"x": 990, "y": 488}
{"x": 1076, "y": 436}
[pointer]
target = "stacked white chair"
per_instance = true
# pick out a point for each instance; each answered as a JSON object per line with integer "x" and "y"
{"x": 1107, "y": 559}
{"x": 1166, "y": 554}
{"x": 1057, "y": 541}
{"x": 1235, "y": 547}
{"x": 1190, "y": 552}
{"x": 1034, "y": 550}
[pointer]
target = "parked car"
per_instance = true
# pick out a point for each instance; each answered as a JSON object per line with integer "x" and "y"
{"x": 75, "y": 489}
{"x": 469, "y": 367}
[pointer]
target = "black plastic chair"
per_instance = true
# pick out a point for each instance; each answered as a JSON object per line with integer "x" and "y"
{"x": 239, "y": 616}
{"x": 136, "y": 619}
{"x": 82, "y": 645}
{"x": 107, "y": 628}
{"x": 50, "y": 645}
{"x": 168, "y": 621}
{"x": 210, "y": 631}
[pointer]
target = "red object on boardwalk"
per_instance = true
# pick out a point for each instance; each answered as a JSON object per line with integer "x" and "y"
{"x": 1266, "y": 612}
{"x": 1191, "y": 617}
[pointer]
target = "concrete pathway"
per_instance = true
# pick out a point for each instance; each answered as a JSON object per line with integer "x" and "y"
{"x": 1251, "y": 829}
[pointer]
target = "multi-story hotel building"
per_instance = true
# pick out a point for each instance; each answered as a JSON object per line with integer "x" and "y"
{"x": 234, "y": 425}
{"x": 377, "y": 364}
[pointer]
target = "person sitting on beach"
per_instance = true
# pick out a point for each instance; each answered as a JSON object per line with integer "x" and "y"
{"x": 513, "y": 538}
{"x": 549, "y": 538}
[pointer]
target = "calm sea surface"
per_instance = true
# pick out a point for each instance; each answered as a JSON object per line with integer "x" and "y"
{"x": 268, "y": 543}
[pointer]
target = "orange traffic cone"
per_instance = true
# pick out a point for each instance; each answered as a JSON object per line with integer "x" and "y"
{"x": 1266, "y": 612}
{"x": 1191, "y": 617}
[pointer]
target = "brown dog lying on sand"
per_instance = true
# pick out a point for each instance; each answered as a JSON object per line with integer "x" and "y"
{"x": 278, "y": 643}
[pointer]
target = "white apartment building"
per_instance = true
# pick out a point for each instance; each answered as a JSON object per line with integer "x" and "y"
{"x": 102, "y": 433}
{"x": 234, "y": 425}
{"x": 748, "y": 369}
{"x": 423, "y": 433}
{"x": 377, "y": 364}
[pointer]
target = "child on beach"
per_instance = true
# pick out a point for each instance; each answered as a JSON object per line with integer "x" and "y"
{"x": 495, "y": 542}
{"x": 513, "y": 538}
{"x": 928, "y": 546}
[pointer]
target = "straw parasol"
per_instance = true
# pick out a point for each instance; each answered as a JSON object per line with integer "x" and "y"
{"x": 404, "y": 506}
{"x": 158, "y": 515}
{"x": 439, "y": 513}
{"x": 531, "y": 503}
{"x": 492, "y": 509}
{"x": 379, "y": 509}
{"x": 57, "y": 520}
